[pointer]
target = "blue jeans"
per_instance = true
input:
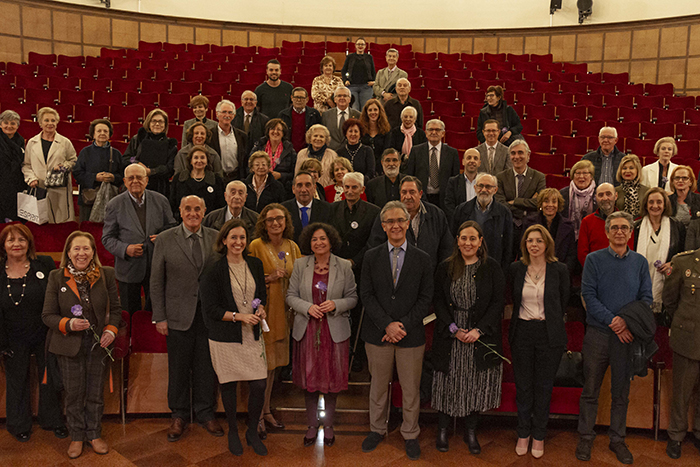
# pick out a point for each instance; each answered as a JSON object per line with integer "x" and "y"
{"x": 362, "y": 93}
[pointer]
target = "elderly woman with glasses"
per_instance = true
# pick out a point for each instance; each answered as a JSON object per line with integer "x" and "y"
{"x": 262, "y": 187}
{"x": 685, "y": 202}
{"x": 579, "y": 196}
{"x": 630, "y": 191}
{"x": 11, "y": 158}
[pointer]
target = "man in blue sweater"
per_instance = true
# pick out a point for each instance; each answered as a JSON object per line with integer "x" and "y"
{"x": 612, "y": 278}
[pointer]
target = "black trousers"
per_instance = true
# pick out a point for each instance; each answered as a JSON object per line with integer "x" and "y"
{"x": 601, "y": 349}
{"x": 18, "y": 396}
{"x": 130, "y": 295}
{"x": 189, "y": 367}
{"x": 535, "y": 365}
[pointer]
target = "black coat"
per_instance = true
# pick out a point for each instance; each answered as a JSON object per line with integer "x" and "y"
{"x": 485, "y": 315}
{"x": 378, "y": 143}
{"x": 211, "y": 190}
{"x": 272, "y": 193}
{"x": 243, "y": 150}
{"x": 511, "y": 121}
{"x": 11, "y": 176}
{"x": 692, "y": 201}
{"x": 217, "y": 299}
{"x": 396, "y": 139}
{"x": 363, "y": 161}
{"x": 354, "y": 239}
{"x": 320, "y": 212}
{"x": 418, "y": 165}
{"x": 641, "y": 322}
{"x": 93, "y": 160}
{"x": 376, "y": 190}
{"x": 596, "y": 157}
{"x": 312, "y": 116}
{"x": 556, "y": 298}
{"x": 157, "y": 152}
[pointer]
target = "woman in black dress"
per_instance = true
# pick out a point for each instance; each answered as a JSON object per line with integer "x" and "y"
{"x": 361, "y": 157}
{"x": 199, "y": 180}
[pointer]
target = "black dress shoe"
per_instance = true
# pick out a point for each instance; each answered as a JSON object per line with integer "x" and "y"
{"x": 310, "y": 441}
{"x": 276, "y": 425}
{"x": 583, "y": 449}
{"x": 673, "y": 449}
{"x": 621, "y": 452}
{"x": 472, "y": 442}
{"x": 371, "y": 441}
{"x": 442, "y": 443}
{"x": 413, "y": 449}
{"x": 329, "y": 441}
{"x": 60, "y": 432}
{"x": 23, "y": 437}
{"x": 255, "y": 443}
{"x": 356, "y": 366}
{"x": 262, "y": 432}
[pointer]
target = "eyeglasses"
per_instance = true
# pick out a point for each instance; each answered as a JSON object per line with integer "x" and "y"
{"x": 272, "y": 220}
{"x": 298, "y": 97}
{"x": 606, "y": 137}
{"x": 394, "y": 221}
{"x": 491, "y": 94}
{"x": 481, "y": 186}
{"x": 583, "y": 174}
{"x": 621, "y": 228}
{"x": 157, "y": 122}
{"x": 433, "y": 130}
{"x": 681, "y": 179}
{"x": 131, "y": 178}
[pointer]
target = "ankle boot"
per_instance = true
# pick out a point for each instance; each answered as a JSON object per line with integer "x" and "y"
{"x": 472, "y": 442}
{"x": 442, "y": 443}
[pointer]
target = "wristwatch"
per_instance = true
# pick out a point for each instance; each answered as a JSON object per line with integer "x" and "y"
{"x": 233, "y": 318}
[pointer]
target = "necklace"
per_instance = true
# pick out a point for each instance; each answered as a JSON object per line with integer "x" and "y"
{"x": 320, "y": 268}
{"x": 537, "y": 274}
{"x": 9, "y": 290}
{"x": 198, "y": 179}
{"x": 353, "y": 153}
{"x": 244, "y": 289}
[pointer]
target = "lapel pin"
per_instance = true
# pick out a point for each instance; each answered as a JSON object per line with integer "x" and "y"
{"x": 63, "y": 289}
{"x": 39, "y": 275}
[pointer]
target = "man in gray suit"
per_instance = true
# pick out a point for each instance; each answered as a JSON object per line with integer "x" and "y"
{"x": 494, "y": 155}
{"x": 179, "y": 257}
{"x": 132, "y": 221}
{"x": 235, "y": 195}
{"x": 334, "y": 118}
{"x": 385, "y": 82}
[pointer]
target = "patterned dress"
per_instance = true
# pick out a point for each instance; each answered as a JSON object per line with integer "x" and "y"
{"x": 322, "y": 91}
{"x": 464, "y": 389}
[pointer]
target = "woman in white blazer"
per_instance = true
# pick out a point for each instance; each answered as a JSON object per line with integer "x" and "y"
{"x": 322, "y": 291}
{"x": 659, "y": 172}
{"x": 49, "y": 151}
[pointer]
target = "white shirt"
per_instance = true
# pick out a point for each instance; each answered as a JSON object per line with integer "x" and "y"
{"x": 229, "y": 150}
{"x": 471, "y": 191}
{"x": 308, "y": 211}
{"x": 347, "y": 116}
{"x": 429, "y": 189}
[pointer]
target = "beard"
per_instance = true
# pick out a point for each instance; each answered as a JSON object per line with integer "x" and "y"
{"x": 391, "y": 173}
{"x": 484, "y": 199}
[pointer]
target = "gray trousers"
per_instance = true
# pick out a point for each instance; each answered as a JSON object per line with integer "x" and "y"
{"x": 602, "y": 348}
{"x": 686, "y": 376}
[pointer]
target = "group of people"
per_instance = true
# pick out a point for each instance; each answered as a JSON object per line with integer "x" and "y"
{"x": 343, "y": 229}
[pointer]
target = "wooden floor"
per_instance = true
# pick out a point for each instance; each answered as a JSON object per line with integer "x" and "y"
{"x": 142, "y": 442}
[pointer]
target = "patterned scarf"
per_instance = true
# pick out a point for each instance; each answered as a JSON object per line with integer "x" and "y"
{"x": 631, "y": 190}
{"x": 274, "y": 158}
{"x": 90, "y": 274}
{"x": 408, "y": 139}
{"x": 580, "y": 204}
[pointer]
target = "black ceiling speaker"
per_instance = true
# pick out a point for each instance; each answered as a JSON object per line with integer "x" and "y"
{"x": 554, "y": 5}
{"x": 585, "y": 9}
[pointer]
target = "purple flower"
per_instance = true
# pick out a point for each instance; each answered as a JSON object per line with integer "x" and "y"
{"x": 77, "y": 310}
{"x": 658, "y": 263}
{"x": 133, "y": 159}
{"x": 255, "y": 303}
{"x": 281, "y": 255}
{"x": 322, "y": 286}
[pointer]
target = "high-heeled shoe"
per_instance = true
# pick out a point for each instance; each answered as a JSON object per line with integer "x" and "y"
{"x": 262, "y": 432}
{"x": 272, "y": 423}
{"x": 522, "y": 445}
{"x": 537, "y": 450}
{"x": 328, "y": 441}
{"x": 309, "y": 441}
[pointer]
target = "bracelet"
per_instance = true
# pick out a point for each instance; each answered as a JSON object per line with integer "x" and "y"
{"x": 233, "y": 318}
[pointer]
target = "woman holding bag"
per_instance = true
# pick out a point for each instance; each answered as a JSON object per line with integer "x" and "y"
{"x": 51, "y": 157}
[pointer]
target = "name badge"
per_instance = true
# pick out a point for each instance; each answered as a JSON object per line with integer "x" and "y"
{"x": 354, "y": 224}
{"x": 63, "y": 289}
{"x": 210, "y": 189}
{"x": 39, "y": 275}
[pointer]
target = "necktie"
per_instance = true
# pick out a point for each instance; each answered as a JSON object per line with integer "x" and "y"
{"x": 304, "y": 217}
{"x": 196, "y": 252}
{"x": 342, "y": 120}
{"x": 246, "y": 124}
{"x": 492, "y": 152}
{"x": 395, "y": 264}
{"x": 434, "y": 169}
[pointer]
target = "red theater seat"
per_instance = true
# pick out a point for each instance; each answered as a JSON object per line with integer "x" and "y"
{"x": 51, "y": 237}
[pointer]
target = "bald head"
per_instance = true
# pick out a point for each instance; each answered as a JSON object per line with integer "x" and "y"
{"x": 606, "y": 196}
{"x": 135, "y": 180}
{"x": 472, "y": 162}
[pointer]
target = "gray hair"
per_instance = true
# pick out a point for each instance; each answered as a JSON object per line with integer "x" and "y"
{"x": 138, "y": 166}
{"x": 519, "y": 142}
{"x": 619, "y": 215}
{"x": 392, "y": 50}
{"x": 394, "y": 205}
{"x": 10, "y": 116}
{"x": 237, "y": 183}
{"x": 248, "y": 91}
{"x": 435, "y": 120}
{"x": 409, "y": 109}
{"x": 355, "y": 177}
{"x": 225, "y": 101}
{"x": 481, "y": 175}
{"x": 611, "y": 128}
{"x": 184, "y": 199}
{"x": 403, "y": 79}
{"x": 341, "y": 88}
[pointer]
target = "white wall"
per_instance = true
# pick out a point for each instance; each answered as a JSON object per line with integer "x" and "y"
{"x": 405, "y": 14}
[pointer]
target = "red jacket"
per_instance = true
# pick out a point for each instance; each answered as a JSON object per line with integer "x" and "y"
{"x": 592, "y": 236}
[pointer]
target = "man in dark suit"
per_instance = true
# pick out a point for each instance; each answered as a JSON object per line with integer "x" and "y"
{"x": 235, "y": 195}
{"x": 518, "y": 187}
{"x": 495, "y": 157}
{"x": 433, "y": 163}
{"x": 460, "y": 188}
{"x": 179, "y": 257}
{"x": 230, "y": 143}
{"x": 428, "y": 228}
{"x": 304, "y": 208}
{"x": 381, "y": 190}
{"x": 250, "y": 120}
{"x": 334, "y": 118}
{"x": 353, "y": 218}
{"x": 494, "y": 218}
{"x": 299, "y": 117}
{"x": 606, "y": 158}
{"x": 132, "y": 221}
{"x": 394, "y": 107}
{"x": 396, "y": 289}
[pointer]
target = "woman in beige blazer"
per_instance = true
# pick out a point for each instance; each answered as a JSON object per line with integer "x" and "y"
{"x": 49, "y": 151}
{"x": 321, "y": 293}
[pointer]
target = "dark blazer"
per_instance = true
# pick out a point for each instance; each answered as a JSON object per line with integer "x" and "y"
{"x": 485, "y": 314}
{"x": 349, "y": 63}
{"x": 676, "y": 243}
{"x": 243, "y": 151}
{"x": 216, "y": 219}
{"x": 378, "y": 144}
{"x": 419, "y": 166}
{"x": 62, "y": 294}
{"x": 217, "y": 299}
{"x": 354, "y": 239}
{"x": 692, "y": 235}
{"x": 393, "y": 108}
{"x": 396, "y": 139}
{"x": 501, "y": 160}
{"x": 256, "y": 130}
{"x": 511, "y": 120}
{"x": 407, "y": 302}
{"x": 211, "y": 191}
{"x": 122, "y": 228}
{"x": 562, "y": 231}
{"x": 288, "y": 160}
{"x": 329, "y": 119}
{"x": 534, "y": 183}
{"x": 320, "y": 212}
{"x": 556, "y": 298}
{"x": 596, "y": 157}
{"x": 174, "y": 276}
{"x": 692, "y": 201}
{"x": 272, "y": 193}
{"x": 455, "y": 194}
{"x": 313, "y": 117}
{"x": 375, "y": 190}
{"x": 363, "y": 161}
{"x": 93, "y": 160}
{"x": 498, "y": 228}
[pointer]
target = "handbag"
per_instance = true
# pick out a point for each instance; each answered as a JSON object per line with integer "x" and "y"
{"x": 570, "y": 372}
{"x": 103, "y": 194}
{"x": 88, "y": 195}
{"x": 56, "y": 179}
{"x": 31, "y": 208}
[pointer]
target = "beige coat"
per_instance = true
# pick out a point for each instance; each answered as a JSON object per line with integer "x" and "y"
{"x": 62, "y": 152}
